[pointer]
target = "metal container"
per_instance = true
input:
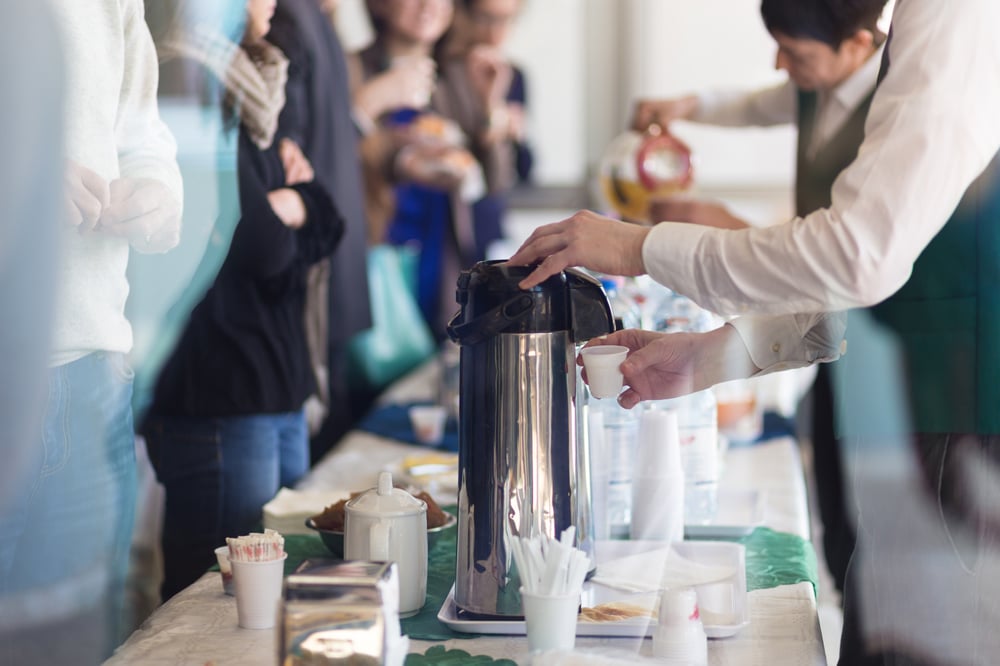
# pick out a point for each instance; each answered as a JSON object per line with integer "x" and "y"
{"x": 339, "y": 613}
{"x": 522, "y": 471}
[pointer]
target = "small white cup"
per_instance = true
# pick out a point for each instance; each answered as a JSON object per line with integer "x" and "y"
{"x": 258, "y": 591}
{"x": 604, "y": 375}
{"x": 226, "y": 571}
{"x": 550, "y": 620}
{"x": 428, "y": 422}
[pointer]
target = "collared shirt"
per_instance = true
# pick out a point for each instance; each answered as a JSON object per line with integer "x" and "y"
{"x": 778, "y": 105}
{"x": 933, "y": 126}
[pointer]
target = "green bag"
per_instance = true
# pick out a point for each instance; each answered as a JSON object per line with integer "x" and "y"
{"x": 399, "y": 339}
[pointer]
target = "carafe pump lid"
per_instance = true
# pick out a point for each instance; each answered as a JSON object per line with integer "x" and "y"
{"x": 492, "y": 303}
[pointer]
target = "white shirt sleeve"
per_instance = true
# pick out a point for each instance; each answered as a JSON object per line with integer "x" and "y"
{"x": 146, "y": 147}
{"x": 934, "y": 125}
{"x": 777, "y": 105}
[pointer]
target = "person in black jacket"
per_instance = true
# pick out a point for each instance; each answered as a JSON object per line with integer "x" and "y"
{"x": 226, "y": 428}
{"x": 317, "y": 117}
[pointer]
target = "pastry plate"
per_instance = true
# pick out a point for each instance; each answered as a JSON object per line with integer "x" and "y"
{"x": 723, "y": 605}
{"x": 740, "y": 512}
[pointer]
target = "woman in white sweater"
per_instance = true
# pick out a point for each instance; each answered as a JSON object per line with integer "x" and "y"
{"x": 64, "y": 539}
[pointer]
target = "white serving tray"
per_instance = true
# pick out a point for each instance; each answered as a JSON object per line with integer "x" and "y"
{"x": 740, "y": 512}
{"x": 723, "y": 605}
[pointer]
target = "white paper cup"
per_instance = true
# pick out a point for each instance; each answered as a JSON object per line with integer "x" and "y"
{"x": 550, "y": 620}
{"x": 258, "y": 591}
{"x": 603, "y": 369}
{"x": 428, "y": 422}
{"x": 226, "y": 571}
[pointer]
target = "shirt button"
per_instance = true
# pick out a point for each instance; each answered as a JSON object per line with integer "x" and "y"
{"x": 776, "y": 348}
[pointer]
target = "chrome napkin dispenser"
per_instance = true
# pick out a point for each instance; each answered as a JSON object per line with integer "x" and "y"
{"x": 340, "y": 612}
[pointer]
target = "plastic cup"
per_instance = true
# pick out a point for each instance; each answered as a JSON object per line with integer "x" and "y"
{"x": 550, "y": 620}
{"x": 428, "y": 423}
{"x": 602, "y": 364}
{"x": 258, "y": 591}
{"x": 226, "y": 571}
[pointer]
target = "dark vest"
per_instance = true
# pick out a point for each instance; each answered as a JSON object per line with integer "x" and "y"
{"x": 947, "y": 318}
{"x": 814, "y": 177}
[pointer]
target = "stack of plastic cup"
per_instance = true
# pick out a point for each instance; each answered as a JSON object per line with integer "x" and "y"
{"x": 679, "y": 635}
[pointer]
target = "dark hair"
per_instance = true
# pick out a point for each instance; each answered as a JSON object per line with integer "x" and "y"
{"x": 829, "y": 21}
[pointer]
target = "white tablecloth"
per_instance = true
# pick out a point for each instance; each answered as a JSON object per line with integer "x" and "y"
{"x": 198, "y": 626}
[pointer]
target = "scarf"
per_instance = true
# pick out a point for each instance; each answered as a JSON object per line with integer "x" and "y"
{"x": 254, "y": 76}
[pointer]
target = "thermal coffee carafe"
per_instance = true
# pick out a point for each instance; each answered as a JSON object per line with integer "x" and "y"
{"x": 521, "y": 472}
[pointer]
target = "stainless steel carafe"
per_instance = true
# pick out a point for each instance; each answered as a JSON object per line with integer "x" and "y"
{"x": 522, "y": 471}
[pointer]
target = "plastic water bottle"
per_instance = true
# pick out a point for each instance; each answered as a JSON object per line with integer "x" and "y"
{"x": 699, "y": 438}
{"x": 625, "y": 310}
{"x": 614, "y": 437}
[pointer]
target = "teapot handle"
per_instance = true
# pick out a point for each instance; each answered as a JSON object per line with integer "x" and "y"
{"x": 378, "y": 541}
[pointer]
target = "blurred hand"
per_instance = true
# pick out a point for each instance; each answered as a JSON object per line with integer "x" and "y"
{"x": 667, "y": 365}
{"x": 659, "y": 365}
{"x": 489, "y": 74}
{"x": 407, "y": 84}
{"x": 287, "y": 204}
{"x": 87, "y": 195}
{"x": 661, "y": 112}
{"x": 515, "y": 121}
{"x": 438, "y": 166}
{"x": 586, "y": 239}
{"x": 694, "y": 211}
{"x": 145, "y": 212}
{"x": 296, "y": 164}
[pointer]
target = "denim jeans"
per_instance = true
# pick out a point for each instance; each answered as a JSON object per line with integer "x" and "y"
{"x": 64, "y": 542}
{"x": 218, "y": 474}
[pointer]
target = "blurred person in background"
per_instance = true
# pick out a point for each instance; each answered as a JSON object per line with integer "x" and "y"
{"x": 831, "y": 50}
{"x": 31, "y": 219}
{"x": 486, "y": 95}
{"x": 910, "y": 240}
{"x": 317, "y": 117}
{"x": 419, "y": 177}
{"x": 66, "y": 530}
{"x": 226, "y": 428}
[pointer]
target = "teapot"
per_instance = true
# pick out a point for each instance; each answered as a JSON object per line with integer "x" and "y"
{"x": 639, "y": 166}
{"x": 387, "y": 524}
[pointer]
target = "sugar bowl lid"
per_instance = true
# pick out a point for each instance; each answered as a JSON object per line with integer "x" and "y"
{"x": 385, "y": 500}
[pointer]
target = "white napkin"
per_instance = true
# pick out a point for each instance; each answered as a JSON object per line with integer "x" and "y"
{"x": 662, "y": 569}
{"x": 288, "y": 511}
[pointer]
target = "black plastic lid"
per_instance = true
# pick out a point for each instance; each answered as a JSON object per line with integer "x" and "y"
{"x": 491, "y": 302}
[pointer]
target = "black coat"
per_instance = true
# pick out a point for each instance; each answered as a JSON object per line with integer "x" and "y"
{"x": 317, "y": 116}
{"x": 244, "y": 348}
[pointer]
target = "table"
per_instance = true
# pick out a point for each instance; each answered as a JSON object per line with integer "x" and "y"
{"x": 198, "y": 626}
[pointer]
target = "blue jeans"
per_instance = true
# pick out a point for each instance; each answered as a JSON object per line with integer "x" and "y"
{"x": 218, "y": 474}
{"x": 64, "y": 542}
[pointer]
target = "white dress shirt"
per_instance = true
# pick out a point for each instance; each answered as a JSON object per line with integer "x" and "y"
{"x": 933, "y": 126}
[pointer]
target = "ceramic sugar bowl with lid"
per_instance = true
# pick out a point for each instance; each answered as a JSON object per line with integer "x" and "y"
{"x": 387, "y": 524}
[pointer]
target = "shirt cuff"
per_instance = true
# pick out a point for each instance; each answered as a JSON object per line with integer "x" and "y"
{"x": 792, "y": 341}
